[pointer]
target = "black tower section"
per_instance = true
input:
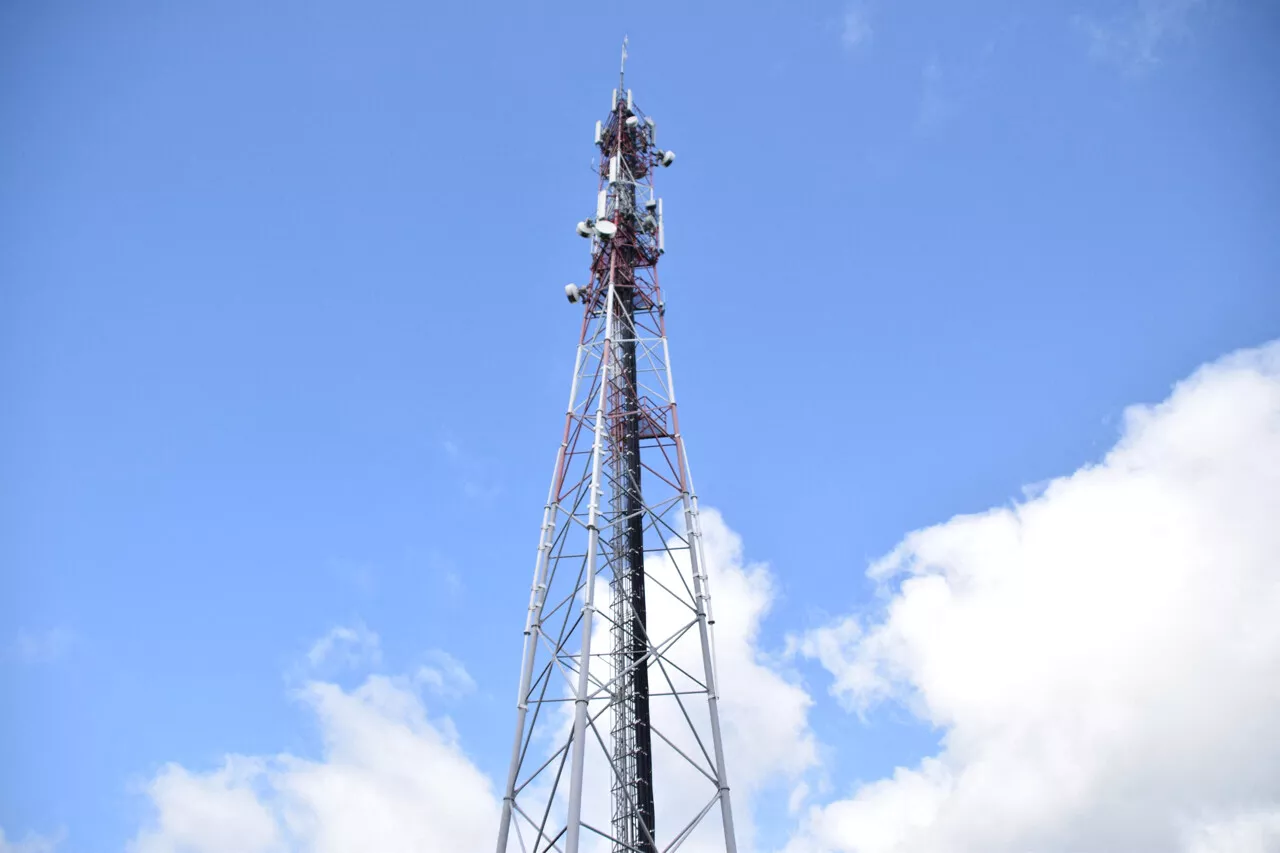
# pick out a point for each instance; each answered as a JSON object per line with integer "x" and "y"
{"x": 633, "y": 743}
{"x": 631, "y": 554}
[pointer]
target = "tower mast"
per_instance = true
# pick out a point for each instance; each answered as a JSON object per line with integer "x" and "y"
{"x": 633, "y": 809}
{"x": 641, "y": 747}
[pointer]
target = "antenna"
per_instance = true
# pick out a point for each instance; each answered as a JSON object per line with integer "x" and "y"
{"x": 622, "y": 70}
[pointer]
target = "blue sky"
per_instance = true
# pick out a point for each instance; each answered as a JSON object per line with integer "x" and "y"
{"x": 283, "y": 345}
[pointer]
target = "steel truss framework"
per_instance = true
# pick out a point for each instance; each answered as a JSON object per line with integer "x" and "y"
{"x": 623, "y": 743}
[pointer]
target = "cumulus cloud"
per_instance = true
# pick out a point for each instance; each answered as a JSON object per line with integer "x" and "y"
{"x": 1101, "y": 657}
{"x": 855, "y": 26}
{"x": 346, "y": 646}
{"x": 391, "y": 779}
{"x": 1248, "y": 832}
{"x": 939, "y": 102}
{"x": 769, "y": 745}
{"x": 31, "y": 844}
{"x": 765, "y": 715}
{"x": 445, "y": 674}
{"x": 212, "y": 811}
{"x": 768, "y": 741}
{"x": 36, "y": 647}
{"x": 1134, "y": 39}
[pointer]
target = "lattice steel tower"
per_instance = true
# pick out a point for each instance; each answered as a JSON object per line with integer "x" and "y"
{"x": 620, "y": 750}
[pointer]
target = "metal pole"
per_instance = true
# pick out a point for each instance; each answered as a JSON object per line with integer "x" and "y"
{"x": 702, "y": 603}
{"x": 574, "y": 824}
{"x": 537, "y": 597}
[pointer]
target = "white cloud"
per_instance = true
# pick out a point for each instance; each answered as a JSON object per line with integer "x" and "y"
{"x": 42, "y": 646}
{"x": 1134, "y": 41}
{"x": 347, "y": 646}
{"x": 31, "y": 844}
{"x": 768, "y": 743}
{"x": 392, "y": 780}
{"x": 939, "y": 100}
{"x": 1247, "y": 832}
{"x": 444, "y": 674}
{"x": 768, "y": 740}
{"x": 855, "y": 26}
{"x": 218, "y": 811}
{"x": 1102, "y": 657}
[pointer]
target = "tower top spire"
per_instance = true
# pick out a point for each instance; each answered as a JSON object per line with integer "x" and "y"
{"x": 622, "y": 70}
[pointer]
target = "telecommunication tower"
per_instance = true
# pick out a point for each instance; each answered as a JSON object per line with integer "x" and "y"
{"x": 619, "y": 750}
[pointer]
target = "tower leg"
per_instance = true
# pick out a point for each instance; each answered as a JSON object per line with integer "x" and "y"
{"x": 533, "y": 621}
{"x": 532, "y": 625}
{"x": 702, "y": 595}
{"x": 573, "y": 826}
{"x": 702, "y": 608}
